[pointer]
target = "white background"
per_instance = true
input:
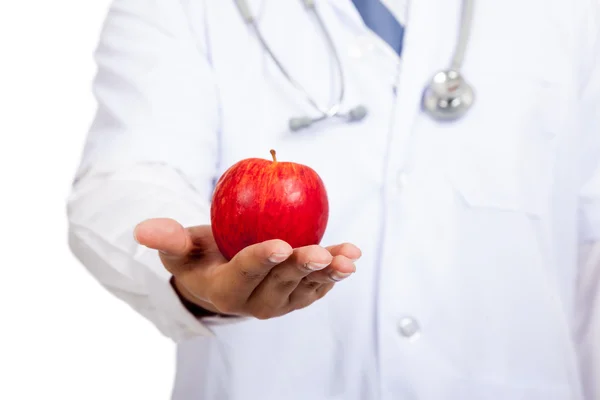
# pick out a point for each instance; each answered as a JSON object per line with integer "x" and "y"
{"x": 61, "y": 335}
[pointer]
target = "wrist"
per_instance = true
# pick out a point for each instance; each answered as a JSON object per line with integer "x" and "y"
{"x": 197, "y": 307}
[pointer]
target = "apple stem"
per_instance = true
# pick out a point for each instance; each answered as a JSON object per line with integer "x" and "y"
{"x": 273, "y": 154}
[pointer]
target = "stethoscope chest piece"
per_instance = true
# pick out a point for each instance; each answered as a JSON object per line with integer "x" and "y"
{"x": 448, "y": 97}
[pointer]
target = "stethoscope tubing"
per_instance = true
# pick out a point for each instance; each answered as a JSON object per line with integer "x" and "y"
{"x": 439, "y": 104}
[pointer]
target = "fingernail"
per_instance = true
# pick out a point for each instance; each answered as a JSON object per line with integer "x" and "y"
{"x": 277, "y": 258}
{"x": 135, "y": 234}
{"x": 313, "y": 266}
{"x": 338, "y": 276}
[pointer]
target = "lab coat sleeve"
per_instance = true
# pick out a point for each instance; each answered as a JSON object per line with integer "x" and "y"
{"x": 588, "y": 306}
{"x": 151, "y": 152}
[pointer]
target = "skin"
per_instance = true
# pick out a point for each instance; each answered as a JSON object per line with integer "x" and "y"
{"x": 265, "y": 280}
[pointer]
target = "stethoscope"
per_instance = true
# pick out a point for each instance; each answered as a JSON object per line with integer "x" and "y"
{"x": 448, "y": 96}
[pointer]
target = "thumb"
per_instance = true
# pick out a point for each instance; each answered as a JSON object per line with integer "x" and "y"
{"x": 165, "y": 235}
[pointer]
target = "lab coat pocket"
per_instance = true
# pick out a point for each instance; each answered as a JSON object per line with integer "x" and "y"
{"x": 502, "y": 155}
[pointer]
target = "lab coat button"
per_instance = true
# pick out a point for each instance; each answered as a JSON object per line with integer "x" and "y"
{"x": 409, "y": 328}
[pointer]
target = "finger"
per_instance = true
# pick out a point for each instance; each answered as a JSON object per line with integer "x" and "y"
{"x": 340, "y": 268}
{"x": 234, "y": 282}
{"x": 182, "y": 250}
{"x": 165, "y": 235}
{"x": 304, "y": 298}
{"x": 327, "y": 276}
{"x": 345, "y": 249}
{"x": 274, "y": 291}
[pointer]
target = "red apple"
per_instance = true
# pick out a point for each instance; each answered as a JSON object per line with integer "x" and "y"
{"x": 257, "y": 200}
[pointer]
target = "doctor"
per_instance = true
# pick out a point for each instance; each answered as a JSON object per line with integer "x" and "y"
{"x": 459, "y": 141}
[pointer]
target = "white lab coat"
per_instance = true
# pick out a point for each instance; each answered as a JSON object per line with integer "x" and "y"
{"x": 469, "y": 286}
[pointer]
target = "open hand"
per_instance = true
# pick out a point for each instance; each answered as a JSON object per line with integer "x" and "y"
{"x": 265, "y": 280}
